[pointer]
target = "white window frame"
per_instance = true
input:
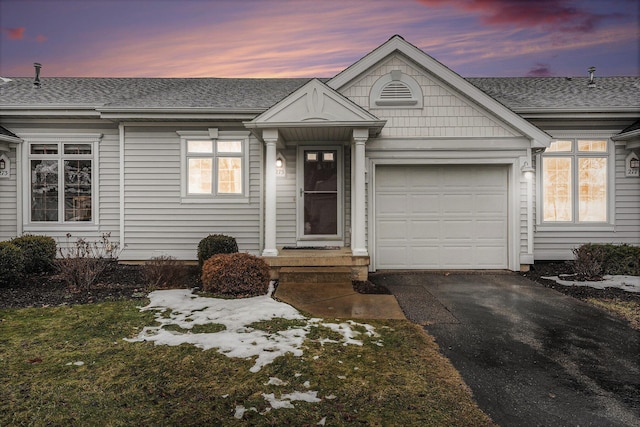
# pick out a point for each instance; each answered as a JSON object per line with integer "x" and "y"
{"x": 213, "y": 135}
{"x": 60, "y": 139}
{"x": 575, "y": 224}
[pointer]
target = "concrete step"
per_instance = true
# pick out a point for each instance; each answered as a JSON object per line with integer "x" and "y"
{"x": 315, "y": 275}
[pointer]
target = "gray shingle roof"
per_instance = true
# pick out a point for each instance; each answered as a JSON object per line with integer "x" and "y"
{"x": 522, "y": 93}
{"x": 214, "y": 93}
{"x": 517, "y": 93}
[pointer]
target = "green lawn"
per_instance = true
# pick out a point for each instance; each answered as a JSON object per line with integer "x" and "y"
{"x": 403, "y": 382}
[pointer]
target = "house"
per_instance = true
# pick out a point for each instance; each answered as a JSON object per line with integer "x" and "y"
{"x": 397, "y": 162}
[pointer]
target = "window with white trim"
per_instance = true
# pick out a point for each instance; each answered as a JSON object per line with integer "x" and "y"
{"x": 575, "y": 182}
{"x": 215, "y": 164}
{"x": 61, "y": 188}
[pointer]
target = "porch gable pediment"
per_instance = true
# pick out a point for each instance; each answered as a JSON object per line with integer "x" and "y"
{"x": 315, "y": 105}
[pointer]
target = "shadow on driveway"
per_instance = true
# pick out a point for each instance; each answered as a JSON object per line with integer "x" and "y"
{"x": 532, "y": 356}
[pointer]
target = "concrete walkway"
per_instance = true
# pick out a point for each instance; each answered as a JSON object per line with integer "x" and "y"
{"x": 338, "y": 300}
{"x": 532, "y": 356}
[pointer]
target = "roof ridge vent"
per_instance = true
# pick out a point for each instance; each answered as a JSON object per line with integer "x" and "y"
{"x": 36, "y": 80}
{"x": 592, "y": 71}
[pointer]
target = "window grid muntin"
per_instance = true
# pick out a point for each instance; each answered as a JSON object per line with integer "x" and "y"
{"x": 219, "y": 174}
{"x": 65, "y": 205}
{"x": 580, "y": 150}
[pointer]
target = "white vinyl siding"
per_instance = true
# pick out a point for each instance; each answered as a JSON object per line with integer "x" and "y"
{"x": 556, "y": 243}
{"x": 9, "y": 200}
{"x": 443, "y": 113}
{"x": 287, "y": 194}
{"x": 159, "y": 220}
{"x": 440, "y": 217}
{"x": 105, "y": 177}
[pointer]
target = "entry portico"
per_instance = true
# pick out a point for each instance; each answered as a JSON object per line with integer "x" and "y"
{"x": 322, "y": 124}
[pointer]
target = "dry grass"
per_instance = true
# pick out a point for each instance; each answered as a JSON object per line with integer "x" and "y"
{"x": 404, "y": 382}
{"x": 628, "y": 310}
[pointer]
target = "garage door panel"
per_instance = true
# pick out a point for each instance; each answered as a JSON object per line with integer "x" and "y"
{"x": 452, "y": 229}
{"x": 424, "y": 257}
{"x": 456, "y": 204}
{"x": 455, "y": 217}
{"x": 493, "y": 204}
{"x": 424, "y": 230}
{"x": 486, "y": 256}
{"x": 493, "y": 230}
{"x": 457, "y": 256}
{"x": 393, "y": 203}
{"x": 423, "y": 204}
{"x": 395, "y": 256}
{"x": 390, "y": 230}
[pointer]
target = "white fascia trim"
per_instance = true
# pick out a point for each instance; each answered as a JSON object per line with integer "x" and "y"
{"x": 48, "y": 113}
{"x": 627, "y": 136}
{"x": 179, "y": 110}
{"x": 316, "y": 124}
{"x": 191, "y": 115}
{"x": 538, "y": 137}
{"x": 63, "y": 136}
{"x": 10, "y": 139}
{"x": 590, "y": 110}
{"x": 582, "y": 134}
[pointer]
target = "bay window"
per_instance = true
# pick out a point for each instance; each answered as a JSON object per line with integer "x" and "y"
{"x": 575, "y": 182}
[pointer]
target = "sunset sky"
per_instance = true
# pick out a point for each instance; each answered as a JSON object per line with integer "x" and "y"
{"x": 314, "y": 38}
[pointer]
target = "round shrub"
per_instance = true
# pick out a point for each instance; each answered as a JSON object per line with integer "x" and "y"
{"x": 237, "y": 274}
{"x": 592, "y": 261}
{"x": 215, "y": 244}
{"x": 39, "y": 253}
{"x": 11, "y": 263}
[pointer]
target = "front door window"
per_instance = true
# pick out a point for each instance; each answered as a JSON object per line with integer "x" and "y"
{"x": 321, "y": 193}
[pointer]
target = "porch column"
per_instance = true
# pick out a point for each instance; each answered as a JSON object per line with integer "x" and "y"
{"x": 358, "y": 220}
{"x": 270, "y": 137}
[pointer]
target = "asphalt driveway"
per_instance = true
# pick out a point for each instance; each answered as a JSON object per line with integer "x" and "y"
{"x": 532, "y": 356}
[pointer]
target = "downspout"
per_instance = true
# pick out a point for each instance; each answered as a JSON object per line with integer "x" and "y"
{"x": 19, "y": 187}
{"x": 530, "y": 209}
{"x": 121, "y": 148}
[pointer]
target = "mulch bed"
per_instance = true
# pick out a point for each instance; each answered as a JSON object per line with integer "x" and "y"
{"x": 123, "y": 281}
{"x": 547, "y": 269}
{"x": 120, "y": 281}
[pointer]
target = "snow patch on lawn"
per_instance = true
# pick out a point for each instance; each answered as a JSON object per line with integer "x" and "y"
{"x": 182, "y": 308}
{"x": 626, "y": 283}
{"x": 286, "y": 399}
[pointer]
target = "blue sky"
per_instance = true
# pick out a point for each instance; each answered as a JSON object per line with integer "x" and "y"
{"x": 314, "y": 38}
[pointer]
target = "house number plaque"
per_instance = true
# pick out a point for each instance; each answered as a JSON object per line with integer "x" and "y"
{"x": 632, "y": 165}
{"x": 5, "y": 166}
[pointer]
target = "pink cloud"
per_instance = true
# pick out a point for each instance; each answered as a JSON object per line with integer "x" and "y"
{"x": 558, "y": 14}
{"x": 40, "y": 38}
{"x": 15, "y": 33}
{"x": 540, "y": 70}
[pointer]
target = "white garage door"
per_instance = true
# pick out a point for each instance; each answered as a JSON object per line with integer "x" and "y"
{"x": 441, "y": 217}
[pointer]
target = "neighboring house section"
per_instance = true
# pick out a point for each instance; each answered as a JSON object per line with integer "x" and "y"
{"x": 397, "y": 161}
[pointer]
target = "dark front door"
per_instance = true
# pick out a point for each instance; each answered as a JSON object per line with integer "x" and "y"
{"x": 320, "y": 204}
